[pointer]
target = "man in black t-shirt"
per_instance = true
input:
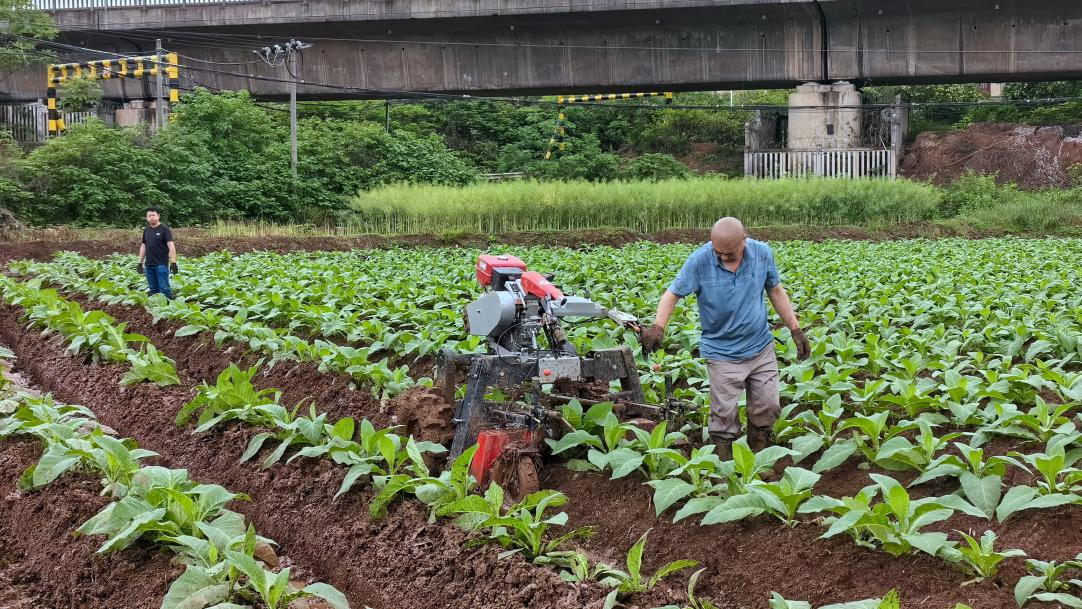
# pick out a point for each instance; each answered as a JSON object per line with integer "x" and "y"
{"x": 159, "y": 253}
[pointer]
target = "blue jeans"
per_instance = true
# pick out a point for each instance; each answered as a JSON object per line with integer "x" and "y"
{"x": 158, "y": 280}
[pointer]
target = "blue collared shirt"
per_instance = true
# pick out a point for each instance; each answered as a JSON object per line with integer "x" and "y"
{"x": 732, "y": 309}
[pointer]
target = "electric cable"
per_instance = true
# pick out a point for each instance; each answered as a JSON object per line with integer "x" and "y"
{"x": 236, "y": 38}
{"x": 420, "y": 95}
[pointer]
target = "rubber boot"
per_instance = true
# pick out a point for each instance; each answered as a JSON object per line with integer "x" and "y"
{"x": 760, "y": 438}
{"x": 723, "y": 447}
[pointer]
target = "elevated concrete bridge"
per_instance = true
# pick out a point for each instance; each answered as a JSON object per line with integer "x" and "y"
{"x": 375, "y": 48}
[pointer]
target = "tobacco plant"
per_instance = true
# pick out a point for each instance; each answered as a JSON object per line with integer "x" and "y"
{"x": 893, "y": 524}
{"x": 521, "y": 528}
{"x": 978, "y": 558}
{"x": 634, "y": 581}
{"x": 1046, "y": 584}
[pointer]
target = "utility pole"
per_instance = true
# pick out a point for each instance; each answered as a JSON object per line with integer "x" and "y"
{"x": 293, "y": 111}
{"x": 159, "y": 102}
{"x": 387, "y": 115}
{"x": 273, "y": 57}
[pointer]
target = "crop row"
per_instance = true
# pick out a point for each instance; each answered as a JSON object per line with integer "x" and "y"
{"x": 383, "y": 379}
{"x": 881, "y": 516}
{"x": 723, "y": 491}
{"x": 397, "y": 467}
{"x": 94, "y": 333}
{"x": 223, "y": 557}
{"x": 878, "y": 331}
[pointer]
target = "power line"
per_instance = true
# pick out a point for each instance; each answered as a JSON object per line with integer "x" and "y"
{"x": 241, "y": 41}
{"x": 220, "y": 63}
{"x": 237, "y": 38}
{"x": 419, "y": 95}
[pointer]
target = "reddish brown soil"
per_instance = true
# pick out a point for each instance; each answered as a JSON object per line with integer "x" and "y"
{"x": 198, "y": 359}
{"x": 44, "y": 560}
{"x": 195, "y": 245}
{"x": 745, "y": 560}
{"x": 402, "y": 561}
{"x": 1032, "y": 157}
{"x": 748, "y": 559}
{"x": 424, "y": 414}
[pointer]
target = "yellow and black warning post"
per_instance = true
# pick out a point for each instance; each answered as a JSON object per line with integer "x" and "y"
{"x": 600, "y": 97}
{"x": 105, "y": 69}
{"x": 558, "y": 133}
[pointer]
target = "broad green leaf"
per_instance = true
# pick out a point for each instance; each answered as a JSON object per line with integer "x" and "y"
{"x": 1067, "y": 600}
{"x": 195, "y": 589}
{"x": 736, "y": 507}
{"x": 189, "y": 330}
{"x": 669, "y": 491}
{"x": 328, "y": 593}
{"x": 984, "y": 493}
{"x": 697, "y": 505}
{"x": 623, "y": 461}
{"x": 834, "y": 456}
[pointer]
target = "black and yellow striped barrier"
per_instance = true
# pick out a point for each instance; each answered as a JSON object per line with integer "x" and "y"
{"x": 558, "y": 134}
{"x": 599, "y": 97}
{"x": 106, "y": 69}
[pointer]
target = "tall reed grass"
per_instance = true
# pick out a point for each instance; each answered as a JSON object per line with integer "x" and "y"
{"x": 640, "y": 206}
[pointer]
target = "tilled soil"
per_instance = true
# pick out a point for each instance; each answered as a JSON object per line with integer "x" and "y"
{"x": 744, "y": 560}
{"x": 45, "y": 561}
{"x": 402, "y": 561}
{"x": 198, "y": 359}
{"x": 191, "y": 243}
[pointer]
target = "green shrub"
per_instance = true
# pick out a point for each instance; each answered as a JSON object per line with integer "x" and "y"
{"x": 973, "y": 192}
{"x": 93, "y": 175}
{"x": 79, "y": 94}
{"x": 676, "y": 130}
{"x": 12, "y": 195}
{"x": 581, "y": 159}
{"x": 655, "y": 166}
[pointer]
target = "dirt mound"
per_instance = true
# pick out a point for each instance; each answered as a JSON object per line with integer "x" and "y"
{"x": 1031, "y": 157}
{"x": 517, "y": 469}
{"x": 424, "y": 414}
{"x": 43, "y": 560}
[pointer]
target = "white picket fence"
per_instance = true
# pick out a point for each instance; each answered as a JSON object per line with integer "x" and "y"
{"x": 29, "y": 123}
{"x": 842, "y": 163}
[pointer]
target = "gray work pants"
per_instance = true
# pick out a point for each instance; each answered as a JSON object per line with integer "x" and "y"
{"x": 759, "y": 376}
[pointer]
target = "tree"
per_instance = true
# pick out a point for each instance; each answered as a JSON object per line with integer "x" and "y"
{"x": 20, "y": 22}
{"x": 91, "y": 176}
{"x": 655, "y": 166}
{"x": 79, "y": 94}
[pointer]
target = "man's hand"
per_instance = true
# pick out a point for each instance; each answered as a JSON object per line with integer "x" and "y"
{"x": 651, "y": 338}
{"x": 173, "y": 268}
{"x": 803, "y": 347}
{"x": 141, "y": 269}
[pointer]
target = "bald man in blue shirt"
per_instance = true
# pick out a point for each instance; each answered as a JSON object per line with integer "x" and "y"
{"x": 728, "y": 276}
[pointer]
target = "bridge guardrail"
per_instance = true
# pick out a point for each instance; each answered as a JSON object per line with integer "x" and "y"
{"x": 61, "y": 5}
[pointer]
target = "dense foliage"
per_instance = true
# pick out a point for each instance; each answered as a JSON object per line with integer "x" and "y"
{"x": 79, "y": 94}
{"x": 221, "y": 157}
{"x": 964, "y": 104}
{"x": 225, "y": 157}
{"x": 20, "y": 18}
